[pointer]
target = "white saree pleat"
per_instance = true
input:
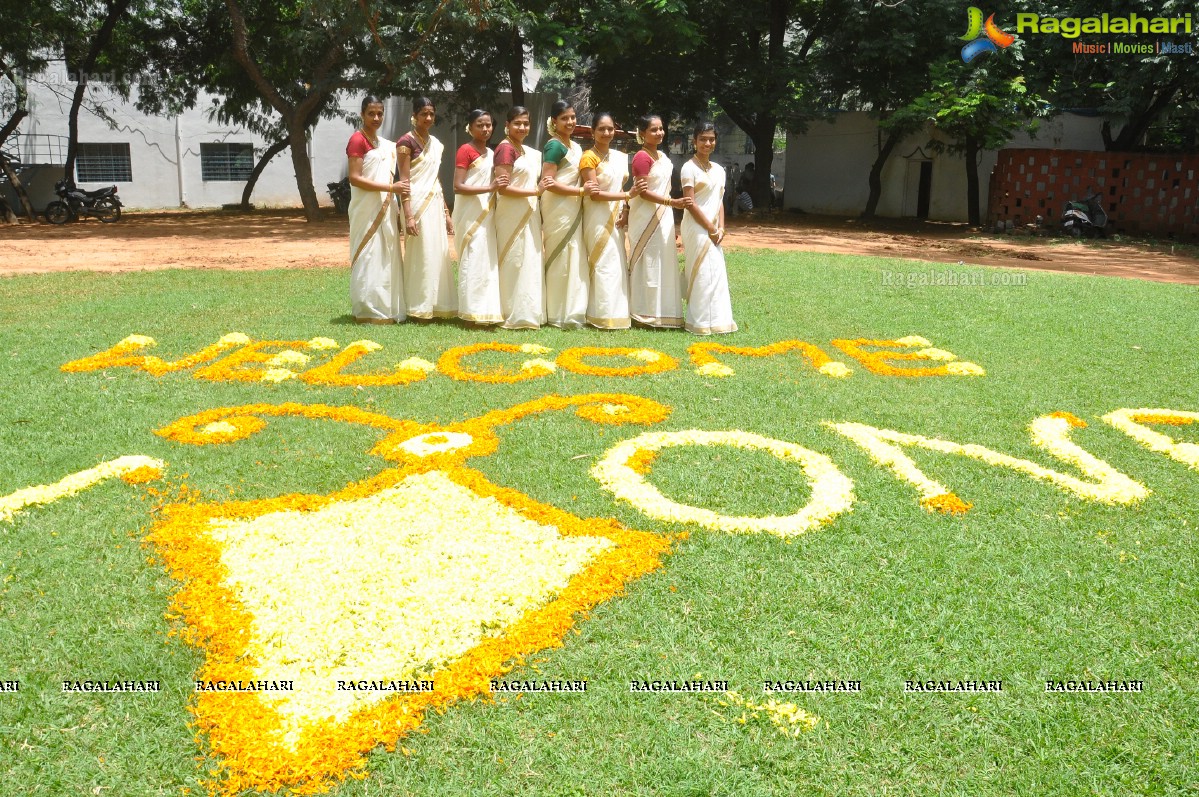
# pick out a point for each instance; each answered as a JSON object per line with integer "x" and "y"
{"x": 566, "y": 275}
{"x": 428, "y": 269}
{"x": 655, "y": 296}
{"x": 518, "y": 242}
{"x": 376, "y": 265}
{"x": 474, "y": 231}
{"x": 603, "y": 242}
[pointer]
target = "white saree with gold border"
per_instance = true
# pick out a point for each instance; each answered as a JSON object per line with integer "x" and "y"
{"x": 604, "y": 243}
{"x": 705, "y": 279}
{"x": 655, "y": 296}
{"x": 428, "y": 269}
{"x": 518, "y": 240}
{"x": 376, "y": 264}
{"x": 566, "y": 278}
{"x": 474, "y": 238}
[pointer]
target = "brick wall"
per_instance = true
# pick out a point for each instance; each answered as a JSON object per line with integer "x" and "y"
{"x": 1143, "y": 194}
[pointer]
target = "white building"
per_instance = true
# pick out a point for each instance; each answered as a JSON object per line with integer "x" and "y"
{"x": 829, "y": 167}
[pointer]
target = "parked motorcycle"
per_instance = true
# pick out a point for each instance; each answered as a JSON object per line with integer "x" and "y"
{"x": 75, "y": 203}
{"x": 340, "y": 194}
{"x": 1085, "y": 218}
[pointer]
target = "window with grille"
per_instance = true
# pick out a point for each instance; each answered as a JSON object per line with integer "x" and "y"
{"x": 103, "y": 163}
{"x": 227, "y": 162}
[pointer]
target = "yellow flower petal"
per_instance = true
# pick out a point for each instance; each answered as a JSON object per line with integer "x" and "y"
{"x": 416, "y": 364}
{"x": 277, "y": 375}
{"x": 714, "y": 369}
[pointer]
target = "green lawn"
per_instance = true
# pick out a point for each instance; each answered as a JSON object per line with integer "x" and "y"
{"x": 1032, "y": 584}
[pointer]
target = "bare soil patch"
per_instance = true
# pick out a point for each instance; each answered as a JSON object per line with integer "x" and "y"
{"x": 283, "y": 239}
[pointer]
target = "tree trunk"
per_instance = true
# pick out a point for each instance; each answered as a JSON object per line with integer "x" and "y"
{"x": 271, "y": 152}
{"x": 116, "y": 10}
{"x": 296, "y": 117}
{"x": 762, "y": 135}
{"x": 21, "y": 103}
{"x": 972, "y": 205}
{"x": 10, "y": 126}
{"x": 17, "y": 186}
{"x": 297, "y": 139}
{"x": 6, "y": 212}
{"x": 516, "y": 68}
{"x": 876, "y": 174}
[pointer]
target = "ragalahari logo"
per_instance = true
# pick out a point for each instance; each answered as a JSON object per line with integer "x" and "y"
{"x": 982, "y": 38}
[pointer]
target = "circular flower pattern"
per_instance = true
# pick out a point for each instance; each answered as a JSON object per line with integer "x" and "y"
{"x": 435, "y": 443}
{"x": 655, "y": 362}
{"x": 450, "y": 364}
{"x": 832, "y": 491}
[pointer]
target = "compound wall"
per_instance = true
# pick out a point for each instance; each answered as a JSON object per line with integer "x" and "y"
{"x": 1144, "y": 194}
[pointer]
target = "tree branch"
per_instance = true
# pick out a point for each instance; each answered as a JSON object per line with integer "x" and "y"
{"x": 241, "y": 54}
{"x": 21, "y": 102}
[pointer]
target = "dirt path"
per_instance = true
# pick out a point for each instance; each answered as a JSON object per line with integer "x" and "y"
{"x": 282, "y": 239}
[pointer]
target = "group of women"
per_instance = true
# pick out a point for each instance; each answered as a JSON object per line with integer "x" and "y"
{"x": 562, "y": 236}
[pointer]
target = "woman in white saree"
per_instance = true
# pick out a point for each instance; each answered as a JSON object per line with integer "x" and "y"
{"x": 518, "y": 226}
{"x": 705, "y": 279}
{"x": 655, "y": 294}
{"x": 604, "y": 173}
{"x": 376, "y": 265}
{"x": 474, "y": 221}
{"x": 566, "y": 277}
{"x": 428, "y": 270}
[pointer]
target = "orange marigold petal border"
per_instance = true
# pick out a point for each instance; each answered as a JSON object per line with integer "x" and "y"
{"x": 238, "y": 725}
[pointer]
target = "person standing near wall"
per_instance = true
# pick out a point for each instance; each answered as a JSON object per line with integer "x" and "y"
{"x": 474, "y": 202}
{"x": 428, "y": 271}
{"x": 604, "y": 174}
{"x": 566, "y": 279}
{"x": 709, "y": 308}
{"x": 376, "y": 264}
{"x": 518, "y": 226}
{"x": 655, "y": 297}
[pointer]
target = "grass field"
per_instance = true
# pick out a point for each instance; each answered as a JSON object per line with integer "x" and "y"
{"x": 1033, "y": 584}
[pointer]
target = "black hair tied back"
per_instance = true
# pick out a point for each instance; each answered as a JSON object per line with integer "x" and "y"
{"x": 644, "y": 122}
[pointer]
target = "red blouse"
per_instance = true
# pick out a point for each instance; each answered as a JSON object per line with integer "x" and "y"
{"x": 412, "y": 144}
{"x": 642, "y": 164}
{"x": 467, "y": 154}
{"x": 506, "y": 154}
{"x": 359, "y": 145}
